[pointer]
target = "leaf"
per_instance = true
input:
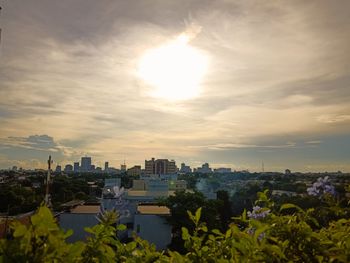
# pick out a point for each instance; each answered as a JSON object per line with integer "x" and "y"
{"x": 185, "y": 234}
{"x": 216, "y": 232}
{"x": 191, "y": 216}
{"x": 289, "y": 206}
{"x": 121, "y": 227}
{"x": 131, "y": 246}
{"x": 20, "y": 230}
{"x": 244, "y": 215}
{"x": 68, "y": 233}
{"x": 89, "y": 230}
{"x": 198, "y": 214}
{"x": 277, "y": 251}
{"x": 204, "y": 228}
{"x": 228, "y": 233}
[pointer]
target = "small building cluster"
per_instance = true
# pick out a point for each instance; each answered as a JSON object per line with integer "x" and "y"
{"x": 136, "y": 207}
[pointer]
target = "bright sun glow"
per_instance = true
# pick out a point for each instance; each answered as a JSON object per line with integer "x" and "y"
{"x": 175, "y": 69}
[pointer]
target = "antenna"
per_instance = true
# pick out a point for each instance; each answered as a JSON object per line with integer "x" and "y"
{"x": 263, "y": 167}
{"x": 0, "y": 27}
{"x": 47, "y": 194}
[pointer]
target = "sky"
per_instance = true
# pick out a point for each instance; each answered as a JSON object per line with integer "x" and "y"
{"x": 275, "y": 90}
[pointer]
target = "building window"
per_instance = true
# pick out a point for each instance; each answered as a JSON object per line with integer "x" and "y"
{"x": 129, "y": 225}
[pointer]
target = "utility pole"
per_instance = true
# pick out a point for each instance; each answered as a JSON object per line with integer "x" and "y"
{"x": 263, "y": 166}
{"x": 0, "y": 27}
{"x": 48, "y": 179}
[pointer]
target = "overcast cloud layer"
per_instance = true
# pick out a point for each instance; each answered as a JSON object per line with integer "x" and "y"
{"x": 277, "y": 89}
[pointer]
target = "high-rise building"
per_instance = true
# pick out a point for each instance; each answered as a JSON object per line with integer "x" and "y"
{"x": 160, "y": 166}
{"x": 68, "y": 168}
{"x": 135, "y": 170}
{"x": 123, "y": 167}
{"x": 106, "y": 166}
{"x": 76, "y": 167}
{"x": 185, "y": 168}
{"x": 58, "y": 169}
{"x": 85, "y": 164}
{"x": 204, "y": 169}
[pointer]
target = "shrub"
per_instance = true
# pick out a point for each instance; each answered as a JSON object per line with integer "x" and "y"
{"x": 266, "y": 235}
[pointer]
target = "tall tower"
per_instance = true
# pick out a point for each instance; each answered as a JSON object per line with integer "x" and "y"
{"x": 48, "y": 179}
{"x": 123, "y": 167}
{"x": 262, "y": 166}
{"x": 0, "y": 27}
{"x": 85, "y": 164}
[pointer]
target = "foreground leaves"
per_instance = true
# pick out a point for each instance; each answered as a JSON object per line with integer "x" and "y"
{"x": 288, "y": 234}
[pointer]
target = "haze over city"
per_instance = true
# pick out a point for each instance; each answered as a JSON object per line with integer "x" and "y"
{"x": 231, "y": 83}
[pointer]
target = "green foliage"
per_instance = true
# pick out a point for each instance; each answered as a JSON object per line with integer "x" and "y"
{"x": 182, "y": 203}
{"x": 42, "y": 241}
{"x": 286, "y": 234}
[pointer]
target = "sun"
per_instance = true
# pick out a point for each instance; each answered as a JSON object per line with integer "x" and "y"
{"x": 174, "y": 70}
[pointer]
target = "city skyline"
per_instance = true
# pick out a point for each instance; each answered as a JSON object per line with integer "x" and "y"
{"x": 269, "y": 83}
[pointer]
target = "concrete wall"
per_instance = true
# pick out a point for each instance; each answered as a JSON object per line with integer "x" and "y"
{"x": 77, "y": 222}
{"x": 154, "y": 229}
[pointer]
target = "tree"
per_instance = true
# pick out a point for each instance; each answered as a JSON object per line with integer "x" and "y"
{"x": 182, "y": 202}
{"x": 225, "y": 208}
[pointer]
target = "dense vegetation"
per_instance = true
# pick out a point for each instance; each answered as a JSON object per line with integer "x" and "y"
{"x": 21, "y": 196}
{"x": 266, "y": 233}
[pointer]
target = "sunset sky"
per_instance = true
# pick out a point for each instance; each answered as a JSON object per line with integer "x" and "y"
{"x": 239, "y": 83}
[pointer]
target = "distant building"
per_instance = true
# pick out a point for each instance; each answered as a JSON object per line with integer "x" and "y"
{"x": 222, "y": 170}
{"x": 112, "y": 170}
{"x": 287, "y": 172}
{"x": 204, "y": 169}
{"x": 160, "y": 166}
{"x": 106, "y": 167}
{"x": 85, "y": 164}
{"x": 123, "y": 167}
{"x": 14, "y": 168}
{"x": 68, "y": 168}
{"x": 157, "y": 185}
{"x": 185, "y": 168}
{"x": 58, "y": 169}
{"x": 134, "y": 171}
{"x": 76, "y": 167}
{"x": 177, "y": 185}
{"x": 138, "y": 185}
{"x": 111, "y": 182}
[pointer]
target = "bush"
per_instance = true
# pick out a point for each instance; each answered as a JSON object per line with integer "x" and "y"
{"x": 261, "y": 235}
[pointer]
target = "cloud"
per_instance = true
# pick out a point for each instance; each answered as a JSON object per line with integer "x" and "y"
{"x": 225, "y": 146}
{"x": 33, "y": 149}
{"x": 334, "y": 118}
{"x": 68, "y": 69}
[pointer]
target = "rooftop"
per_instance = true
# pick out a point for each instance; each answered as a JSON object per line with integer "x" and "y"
{"x": 153, "y": 210}
{"x": 86, "y": 209}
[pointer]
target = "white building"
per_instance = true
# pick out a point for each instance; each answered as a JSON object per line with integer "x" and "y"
{"x": 150, "y": 224}
{"x": 77, "y": 219}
